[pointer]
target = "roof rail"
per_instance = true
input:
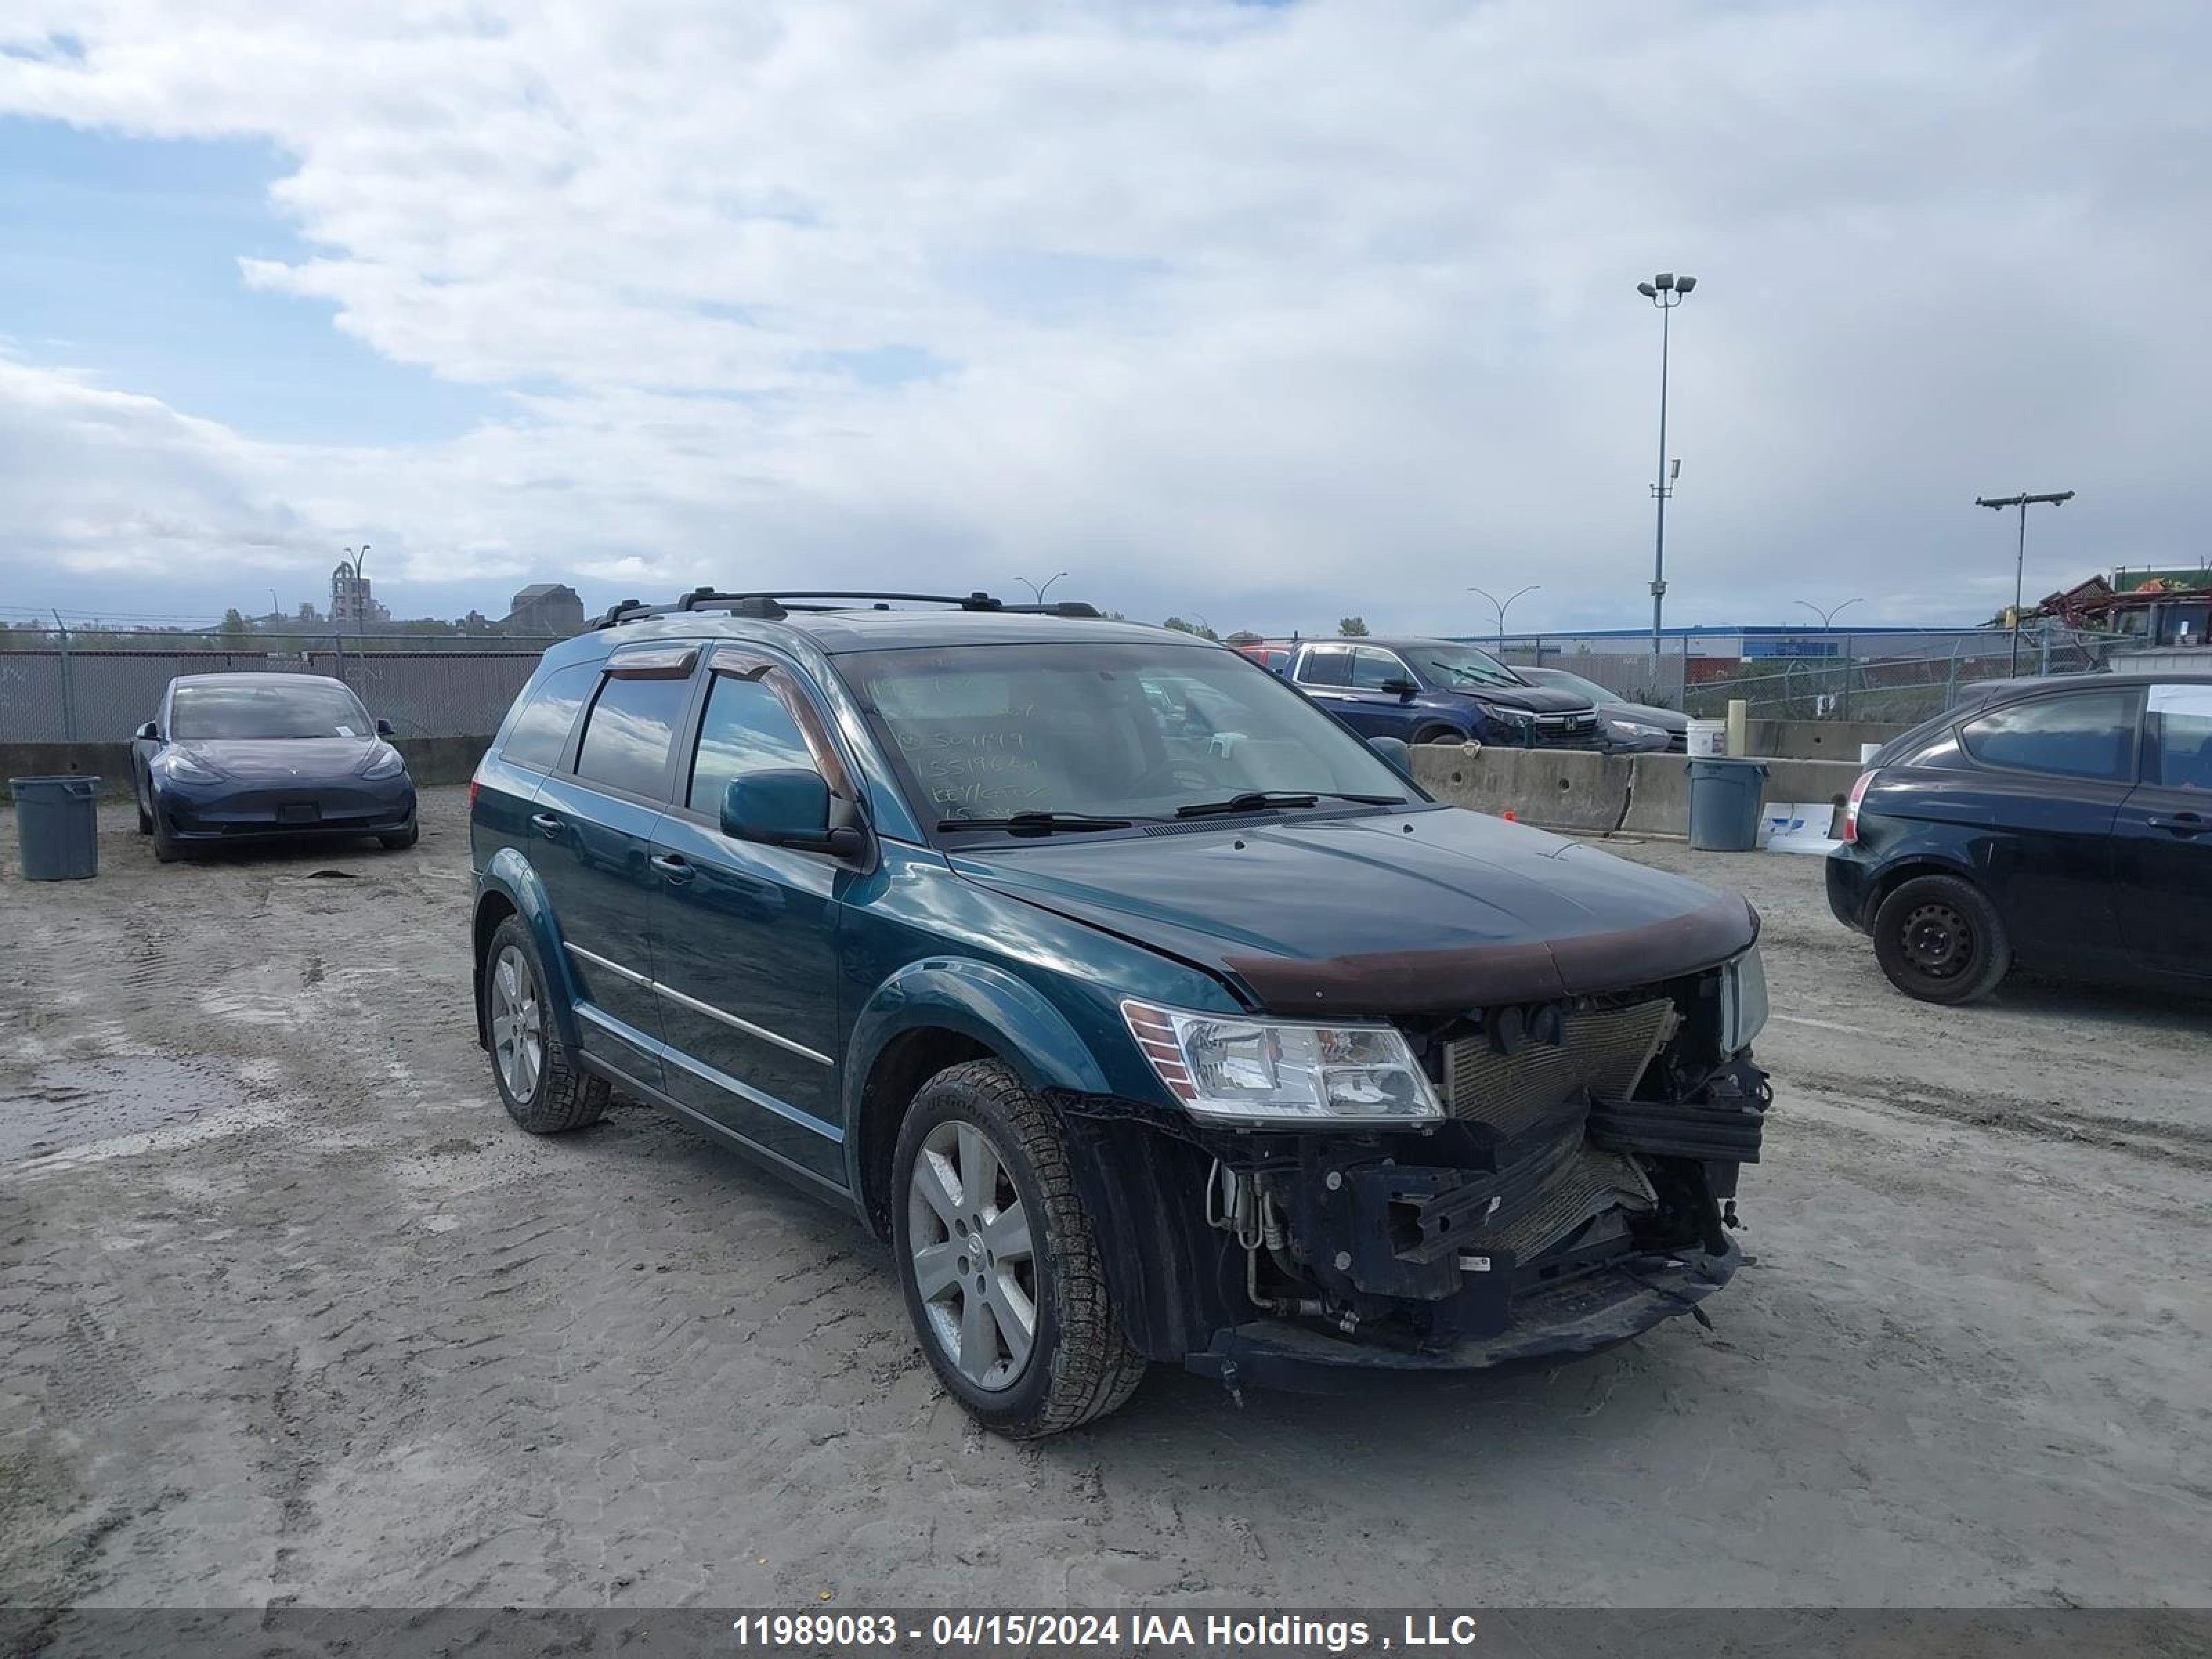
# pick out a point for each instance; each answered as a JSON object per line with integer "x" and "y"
{"x": 774, "y": 607}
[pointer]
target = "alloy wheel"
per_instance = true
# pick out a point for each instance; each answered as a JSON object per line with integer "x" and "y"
{"x": 518, "y": 1034}
{"x": 974, "y": 1260}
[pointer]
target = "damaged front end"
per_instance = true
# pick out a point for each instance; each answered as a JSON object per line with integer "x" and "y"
{"x": 1544, "y": 1177}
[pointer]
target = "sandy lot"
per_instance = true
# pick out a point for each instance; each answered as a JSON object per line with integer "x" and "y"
{"x": 289, "y": 1309}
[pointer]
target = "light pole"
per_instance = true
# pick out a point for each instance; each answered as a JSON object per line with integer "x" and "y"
{"x": 1828, "y": 616}
{"x": 1997, "y": 504}
{"x": 1041, "y": 592}
{"x": 1501, "y": 606}
{"x": 1666, "y": 291}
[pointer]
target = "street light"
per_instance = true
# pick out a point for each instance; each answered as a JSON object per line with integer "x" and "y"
{"x": 1828, "y": 617}
{"x": 1997, "y": 504}
{"x": 1665, "y": 291}
{"x": 1041, "y": 592}
{"x": 1503, "y": 607}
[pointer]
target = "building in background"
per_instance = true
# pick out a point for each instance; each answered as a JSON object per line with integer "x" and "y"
{"x": 352, "y": 604}
{"x": 549, "y": 608}
{"x": 2169, "y": 607}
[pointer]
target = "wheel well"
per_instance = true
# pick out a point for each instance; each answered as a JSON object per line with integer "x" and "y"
{"x": 496, "y": 909}
{"x": 1439, "y": 734}
{"x": 908, "y": 1060}
{"x": 1890, "y": 880}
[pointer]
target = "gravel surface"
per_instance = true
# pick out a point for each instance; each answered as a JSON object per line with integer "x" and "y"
{"x": 289, "y": 1310}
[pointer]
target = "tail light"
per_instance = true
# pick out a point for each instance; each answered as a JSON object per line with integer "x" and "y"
{"x": 474, "y": 785}
{"x": 1852, "y": 806}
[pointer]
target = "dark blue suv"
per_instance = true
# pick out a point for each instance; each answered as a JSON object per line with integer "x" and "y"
{"x": 1440, "y": 691}
{"x": 1143, "y": 1009}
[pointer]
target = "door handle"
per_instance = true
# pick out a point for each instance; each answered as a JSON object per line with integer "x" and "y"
{"x": 546, "y": 825}
{"x": 673, "y": 866}
{"x": 2183, "y": 824}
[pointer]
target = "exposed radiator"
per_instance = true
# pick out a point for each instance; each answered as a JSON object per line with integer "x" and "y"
{"x": 1602, "y": 1050}
{"x": 1589, "y": 1183}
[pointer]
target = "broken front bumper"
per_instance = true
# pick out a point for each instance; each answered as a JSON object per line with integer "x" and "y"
{"x": 1580, "y": 1316}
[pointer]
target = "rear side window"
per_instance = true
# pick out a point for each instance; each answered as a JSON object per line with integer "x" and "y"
{"x": 541, "y": 730}
{"x": 1324, "y": 667}
{"x": 627, "y": 739}
{"x": 2088, "y": 734}
{"x": 747, "y": 728}
{"x": 2181, "y": 737}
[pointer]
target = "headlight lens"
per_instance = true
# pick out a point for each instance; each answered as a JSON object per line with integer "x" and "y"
{"x": 1232, "y": 1069}
{"x": 187, "y": 768}
{"x": 385, "y": 763}
{"x": 1743, "y": 1002}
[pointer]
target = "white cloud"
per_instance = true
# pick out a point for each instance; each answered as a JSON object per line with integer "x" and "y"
{"x": 1264, "y": 314}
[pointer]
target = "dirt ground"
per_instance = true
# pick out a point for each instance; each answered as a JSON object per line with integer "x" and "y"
{"x": 289, "y": 1309}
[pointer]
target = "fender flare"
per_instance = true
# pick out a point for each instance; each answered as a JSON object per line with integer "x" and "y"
{"x": 510, "y": 877}
{"x": 995, "y": 1007}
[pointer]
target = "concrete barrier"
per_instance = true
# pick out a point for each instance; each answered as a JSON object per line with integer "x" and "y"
{"x": 1659, "y": 789}
{"x": 1557, "y": 789}
{"x": 1836, "y": 741}
{"x": 431, "y": 760}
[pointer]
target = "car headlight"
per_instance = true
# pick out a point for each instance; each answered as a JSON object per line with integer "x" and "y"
{"x": 1231, "y": 1068}
{"x": 184, "y": 767}
{"x": 1508, "y": 716}
{"x": 1743, "y": 1002}
{"x": 385, "y": 763}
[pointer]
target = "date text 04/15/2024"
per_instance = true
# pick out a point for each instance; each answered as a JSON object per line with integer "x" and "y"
{"x": 1244, "y": 1632}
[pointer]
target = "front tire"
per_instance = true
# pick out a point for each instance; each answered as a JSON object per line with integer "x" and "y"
{"x": 539, "y": 1081}
{"x": 165, "y": 849}
{"x": 1002, "y": 1271}
{"x": 1940, "y": 940}
{"x": 403, "y": 839}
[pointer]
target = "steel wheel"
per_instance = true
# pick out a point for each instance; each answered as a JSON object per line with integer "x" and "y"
{"x": 974, "y": 1260}
{"x": 1938, "y": 941}
{"x": 518, "y": 1032}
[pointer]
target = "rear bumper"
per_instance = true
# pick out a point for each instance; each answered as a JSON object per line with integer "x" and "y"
{"x": 1580, "y": 1316}
{"x": 1851, "y": 889}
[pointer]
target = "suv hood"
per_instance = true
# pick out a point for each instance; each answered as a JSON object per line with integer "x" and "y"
{"x": 1537, "y": 699}
{"x": 1434, "y": 910}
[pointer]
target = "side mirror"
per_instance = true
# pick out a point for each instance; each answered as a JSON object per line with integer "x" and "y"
{"x": 149, "y": 732}
{"x": 787, "y": 806}
{"x": 1395, "y": 751}
{"x": 383, "y": 728}
{"x": 1401, "y": 688}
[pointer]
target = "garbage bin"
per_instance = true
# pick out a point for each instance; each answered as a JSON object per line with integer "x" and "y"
{"x": 1725, "y": 797}
{"x": 57, "y": 826}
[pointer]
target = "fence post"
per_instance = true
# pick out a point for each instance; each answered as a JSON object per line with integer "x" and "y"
{"x": 337, "y": 649}
{"x": 68, "y": 701}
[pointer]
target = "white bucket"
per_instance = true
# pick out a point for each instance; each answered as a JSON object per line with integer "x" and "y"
{"x": 1708, "y": 738}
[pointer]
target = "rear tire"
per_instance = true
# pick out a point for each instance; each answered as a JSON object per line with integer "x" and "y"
{"x": 1940, "y": 940}
{"x": 539, "y": 1081}
{"x": 994, "y": 1250}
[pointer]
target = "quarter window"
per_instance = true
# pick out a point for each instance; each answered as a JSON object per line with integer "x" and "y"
{"x": 747, "y": 728}
{"x": 627, "y": 739}
{"x": 2083, "y": 735}
{"x": 541, "y": 730}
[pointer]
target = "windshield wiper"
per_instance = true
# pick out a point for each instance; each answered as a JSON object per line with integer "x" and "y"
{"x": 1258, "y": 801}
{"x": 1036, "y": 823}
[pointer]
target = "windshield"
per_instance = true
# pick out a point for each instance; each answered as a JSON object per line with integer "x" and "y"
{"x": 1462, "y": 665}
{"x": 1111, "y": 730}
{"x": 305, "y": 710}
{"x": 1575, "y": 682}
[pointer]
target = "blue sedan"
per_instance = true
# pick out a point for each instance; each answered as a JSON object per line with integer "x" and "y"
{"x": 242, "y": 757}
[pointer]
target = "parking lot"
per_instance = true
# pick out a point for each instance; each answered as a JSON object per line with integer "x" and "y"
{"x": 289, "y": 1310}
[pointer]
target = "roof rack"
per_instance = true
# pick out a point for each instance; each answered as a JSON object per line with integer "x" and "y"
{"x": 773, "y": 607}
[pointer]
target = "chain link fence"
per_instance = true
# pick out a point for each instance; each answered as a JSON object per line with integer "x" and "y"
{"x": 430, "y": 686}
{"x": 1891, "y": 679}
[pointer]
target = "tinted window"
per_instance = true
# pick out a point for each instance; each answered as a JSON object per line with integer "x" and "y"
{"x": 311, "y": 708}
{"x": 747, "y": 728}
{"x": 2181, "y": 735}
{"x": 627, "y": 739}
{"x": 541, "y": 730}
{"x": 2085, "y": 735}
{"x": 1371, "y": 666}
{"x": 1331, "y": 667}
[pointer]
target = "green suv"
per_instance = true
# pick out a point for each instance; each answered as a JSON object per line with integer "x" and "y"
{"x": 1147, "y": 1012}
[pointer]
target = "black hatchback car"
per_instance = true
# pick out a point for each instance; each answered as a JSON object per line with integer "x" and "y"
{"x": 1441, "y": 691}
{"x": 2062, "y": 825}
{"x": 1144, "y": 1011}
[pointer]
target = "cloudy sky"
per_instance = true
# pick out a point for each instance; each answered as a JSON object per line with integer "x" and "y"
{"x": 1264, "y": 314}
